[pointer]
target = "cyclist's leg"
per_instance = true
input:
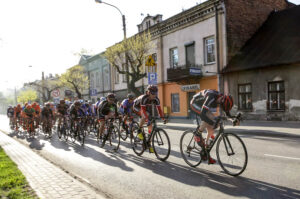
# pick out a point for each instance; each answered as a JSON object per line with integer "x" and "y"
{"x": 101, "y": 128}
{"x": 204, "y": 125}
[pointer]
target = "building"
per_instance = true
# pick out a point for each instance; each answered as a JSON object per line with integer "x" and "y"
{"x": 263, "y": 76}
{"x": 98, "y": 70}
{"x": 192, "y": 47}
{"x": 196, "y": 44}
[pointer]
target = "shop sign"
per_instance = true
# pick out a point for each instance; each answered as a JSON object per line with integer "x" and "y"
{"x": 195, "y": 71}
{"x": 190, "y": 87}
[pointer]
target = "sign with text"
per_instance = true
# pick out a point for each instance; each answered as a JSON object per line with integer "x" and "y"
{"x": 195, "y": 71}
{"x": 68, "y": 93}
{"x": 190, "y": 87}
{"x": 152, "y": 78}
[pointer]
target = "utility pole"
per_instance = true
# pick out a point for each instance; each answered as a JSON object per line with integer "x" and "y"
{"x": 43, "y": 87}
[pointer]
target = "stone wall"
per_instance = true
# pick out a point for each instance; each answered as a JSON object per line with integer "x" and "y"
{"x": 259, "y": 79}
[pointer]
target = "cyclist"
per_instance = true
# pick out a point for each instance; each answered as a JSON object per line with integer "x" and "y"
{"x": 61, "y": 109}
{"x": 37, "y": 109}
{"x": 126, "y": 108}
{"x": 106, "y": 109}
{"x": 17, "y": 115}
{"x": 47, "y": 115}
{"x": 75, "y": 111}
{"x": 10, "y": 114}
{"x": 29, "y": 112}
{"x": 202, "y": 104}
{"x": 143, "y": 107}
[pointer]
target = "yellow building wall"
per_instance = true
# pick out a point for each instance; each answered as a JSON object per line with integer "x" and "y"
{"x": 166, "y": 89}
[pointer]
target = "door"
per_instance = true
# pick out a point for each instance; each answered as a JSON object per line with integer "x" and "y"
{"x": 191, "y": 114}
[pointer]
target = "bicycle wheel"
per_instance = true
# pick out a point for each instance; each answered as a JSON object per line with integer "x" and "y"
{"x": 114, "y": 138}
{"x": 65, "y": 133}
{"x": 232, "y": 154}
{"x": 136, "y": 143}
{"x": 59, "y": 132}
{"x": 190, "y": 150}
{"x": 80, "y": 134}
{"x": 161, "y": 144}
{"x": 123, "y": 131}
{"x": 134, "y": 127}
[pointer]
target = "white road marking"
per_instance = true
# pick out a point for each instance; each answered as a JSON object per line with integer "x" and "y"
{"x": 278, "y": 156}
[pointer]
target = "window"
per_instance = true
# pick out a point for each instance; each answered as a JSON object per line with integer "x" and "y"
{"x": 92, "y": 81}
{"x": 154, "y": 56}
{"x": 97, "y": 79}
{"x": 190, "y": 55}
{"x": 123, "y": 75}
{"x": 175, "y": 103}
{"x": 276, "y": 98}
{"x": 245, "y": 96}
{"x": 174, "y": 57}
{"x": 209, "y": 50}
{"x": 148, "y": 24}
{"x": 116, "y": 74}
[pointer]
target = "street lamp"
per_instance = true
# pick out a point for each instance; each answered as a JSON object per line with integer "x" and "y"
{"x": 123, "y": 16}
{"x": 124, "y": 32}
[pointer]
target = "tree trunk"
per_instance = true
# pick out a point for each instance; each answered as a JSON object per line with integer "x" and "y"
{"x": 132, "y": 88}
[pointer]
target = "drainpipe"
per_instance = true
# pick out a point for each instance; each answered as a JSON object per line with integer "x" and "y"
{"x": 218, "y": 46}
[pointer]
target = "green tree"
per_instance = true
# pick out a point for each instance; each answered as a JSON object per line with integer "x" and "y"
{"x": 27, "y": 96}
{"x": 45, "y": 87}
{"x": 76, "y": 79}
{"x": 135, "y": 49}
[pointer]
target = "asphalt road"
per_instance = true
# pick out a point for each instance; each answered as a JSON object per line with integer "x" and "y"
{"x": 273, "y": 169}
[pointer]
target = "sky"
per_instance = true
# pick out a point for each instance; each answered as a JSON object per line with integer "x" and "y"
{"x": 40, "y": 35}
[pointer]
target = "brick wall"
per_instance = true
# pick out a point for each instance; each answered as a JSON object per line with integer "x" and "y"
{"x": 244, "y": 17}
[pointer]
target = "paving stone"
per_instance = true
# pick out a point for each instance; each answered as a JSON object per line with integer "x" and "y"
{"x": 45, "y": 178}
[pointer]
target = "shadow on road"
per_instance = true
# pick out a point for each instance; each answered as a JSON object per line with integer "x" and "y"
{"x": 233, "y": 186}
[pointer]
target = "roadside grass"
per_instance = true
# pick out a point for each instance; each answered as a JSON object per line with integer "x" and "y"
{"x": 13, "y": 184}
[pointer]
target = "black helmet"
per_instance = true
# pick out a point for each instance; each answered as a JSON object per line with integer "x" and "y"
{"x": 77, "y": 103}
{"x": 130, "y": 96}
{"x": 152, "y": 89}
{"x": 111, "y": 96}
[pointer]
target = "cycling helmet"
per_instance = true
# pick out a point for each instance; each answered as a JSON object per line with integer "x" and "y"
{"x": 111, "y": 96}
{"x": 28, "y": 106}
{"x": 77, "y": 103}
{"x": 130, "y": 96}
{"x": 227, "y": 103}
{"x": 103, "y": 99}
{"x": 47, "y": 104}
{"x": 152, "y": 89}
{"x": 10, "y": 106}
{"x": 61, "y": 101}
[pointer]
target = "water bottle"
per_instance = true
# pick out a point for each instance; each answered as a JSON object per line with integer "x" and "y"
{"x": 210, "y": 141}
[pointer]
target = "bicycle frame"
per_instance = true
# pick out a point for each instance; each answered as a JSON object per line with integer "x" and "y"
{"x": 221, "y": 131}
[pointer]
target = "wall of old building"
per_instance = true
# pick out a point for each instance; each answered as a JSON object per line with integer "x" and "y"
{"x": 259, "y": 79}
{"x": 244, "y": 17}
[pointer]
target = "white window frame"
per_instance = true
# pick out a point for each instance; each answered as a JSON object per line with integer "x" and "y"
{"x": 172, "y": 55}
{"x": 206, "y": 47}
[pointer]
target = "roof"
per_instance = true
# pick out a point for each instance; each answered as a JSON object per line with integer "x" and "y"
{"x": 277, "y": 42}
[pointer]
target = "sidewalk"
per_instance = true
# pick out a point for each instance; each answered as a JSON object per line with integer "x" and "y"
{"x": 280, "y": 127}
{"x": 45, "y": 178}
